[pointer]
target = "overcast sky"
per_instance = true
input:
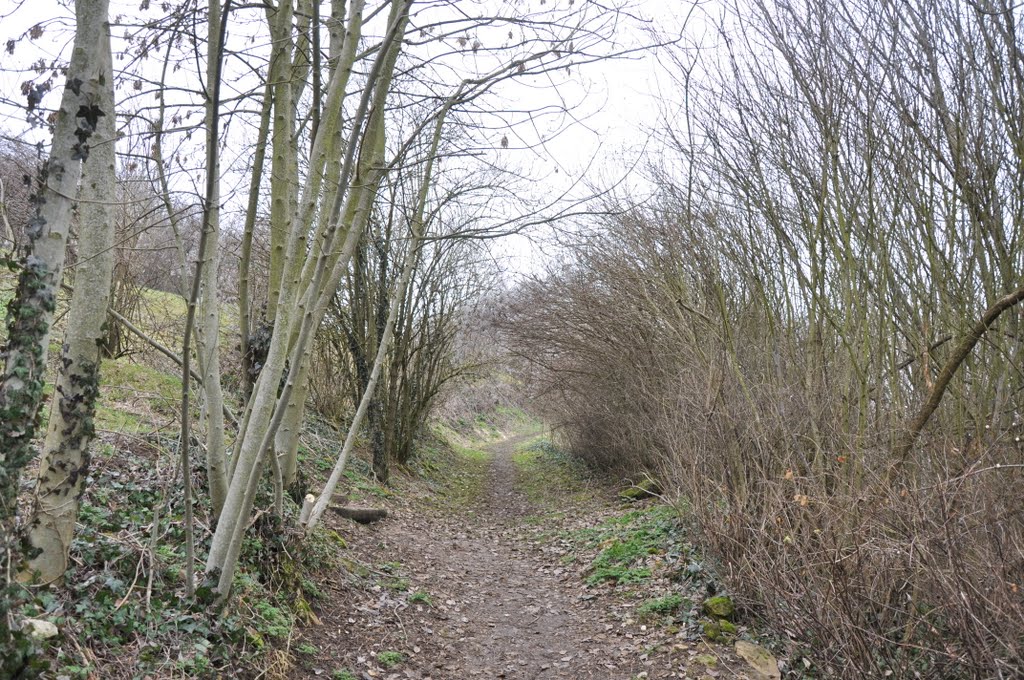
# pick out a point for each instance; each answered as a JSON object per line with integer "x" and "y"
{"x": 617, "y": 102}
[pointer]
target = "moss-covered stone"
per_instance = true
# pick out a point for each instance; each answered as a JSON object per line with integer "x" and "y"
{"x": 719, "y": 607}
{"x": 337, "y": 539}
{"x": 719, "y": 631}
{"x": 647, "y": 488}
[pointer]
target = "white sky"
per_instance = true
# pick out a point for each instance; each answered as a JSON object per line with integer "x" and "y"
{"x": 618, "y": 102}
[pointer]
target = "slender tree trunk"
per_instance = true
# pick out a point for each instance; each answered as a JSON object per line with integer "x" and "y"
{"x": 218, "y": 24}
{"x": 367, "y": 399}
{"x": 64, "y": 464}
{"x": 245, "y": 254}
{"x": 208, "y": 345}
{"x": 398, "y": 295}
{"x": 286, "y": 443}
{"x": 960, "y": 353}
{"x": 283, "y": 165}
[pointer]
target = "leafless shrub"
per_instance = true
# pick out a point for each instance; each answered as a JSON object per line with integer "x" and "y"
{"x": 760, "y": 335}
{"x": 658, "y": 352}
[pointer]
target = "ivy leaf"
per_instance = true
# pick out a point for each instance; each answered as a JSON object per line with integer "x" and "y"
{"x": 91, "y": 114}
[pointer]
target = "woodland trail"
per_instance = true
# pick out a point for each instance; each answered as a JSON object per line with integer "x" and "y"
{"x": 477, "y": 588}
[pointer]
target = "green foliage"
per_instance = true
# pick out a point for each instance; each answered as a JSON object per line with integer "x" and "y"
{"x": 660, "y": 605}
{"x": 363, "y": 486}
{"x": 421, "y": 598}
{"x": 719, "y": 631}
{"x": 389, "y": 659}
{"x": 133, "y": 393}
{"x": 29, "y": 314}
{"x": 342, "y": 674}
{"x": 645, "y": 488}
{"x": 626, "y": 543}
{"x": 103, "y": 603}
{"x": 321, "y": 553}
{"x": 272, "y": 620}
{"x": 458, "y": 470}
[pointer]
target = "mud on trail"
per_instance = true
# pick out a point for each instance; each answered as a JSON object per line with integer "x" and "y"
{"x": 471, "y": 581}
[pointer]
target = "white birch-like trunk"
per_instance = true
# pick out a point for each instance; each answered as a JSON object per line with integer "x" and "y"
{"x": 208, "y": 337}
{"x": 65, "y": 461}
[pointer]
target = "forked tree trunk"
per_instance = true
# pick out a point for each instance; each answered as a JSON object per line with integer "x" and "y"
{"x": 31, "y": 312}
{"x": 65, "y": 461}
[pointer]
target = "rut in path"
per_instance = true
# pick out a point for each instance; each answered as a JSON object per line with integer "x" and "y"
{"x": 501, "y": 605}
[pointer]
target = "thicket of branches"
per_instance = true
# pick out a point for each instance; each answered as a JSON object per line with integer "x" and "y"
{"x": 812, "y": 333}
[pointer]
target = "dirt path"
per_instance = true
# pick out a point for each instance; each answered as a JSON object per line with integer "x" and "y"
{"x": 520, "y": 621}
{"x": 469, "y": 591}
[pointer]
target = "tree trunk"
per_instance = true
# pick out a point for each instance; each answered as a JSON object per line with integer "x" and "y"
{"x": 65, "y": 460}
{"x": 31, "y": 312}
{"x": 398, "y": 294}
{"x": 905, "y": 443}
{"x": 208, "y": 344}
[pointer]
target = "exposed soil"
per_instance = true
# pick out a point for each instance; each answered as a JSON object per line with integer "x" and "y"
{"x": 501, "y": 602}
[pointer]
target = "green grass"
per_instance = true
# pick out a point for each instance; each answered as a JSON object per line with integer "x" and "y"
{"x": 165, "y": 316}
{"x": 628, "y": 544}
{"x": 363, "y": 487}
{"x": 456, "y": 467}
{"x": 421, "y": 598}
{"x": 398, "y": 585}
{"x": 390, "y": 659}
{"x": 659, "y": 606}
{"x": 136, "y": 397}
{"x": 549, "y": 477}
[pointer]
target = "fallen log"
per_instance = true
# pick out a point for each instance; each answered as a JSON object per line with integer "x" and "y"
{"x": 361, "y": 515}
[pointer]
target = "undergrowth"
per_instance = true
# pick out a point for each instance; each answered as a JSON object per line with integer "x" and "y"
{"x": 121, "y": 610}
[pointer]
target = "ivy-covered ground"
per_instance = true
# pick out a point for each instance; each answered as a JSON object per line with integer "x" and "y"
{"x": 121, "y": 609}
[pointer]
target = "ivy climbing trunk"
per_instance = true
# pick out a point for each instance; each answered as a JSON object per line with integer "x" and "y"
{"x": 30, "y": 313}
{"x": 65, "y": 460}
